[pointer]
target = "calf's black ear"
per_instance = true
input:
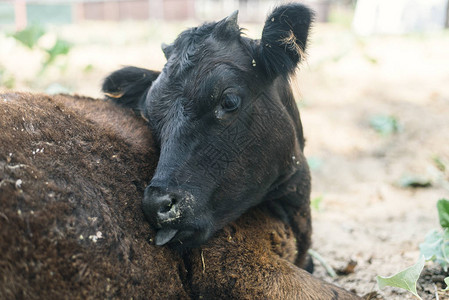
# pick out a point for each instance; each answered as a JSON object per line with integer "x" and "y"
{"x": 167, "y": 49}
{"x": 284, "y": 39}
{"x": 128, "y": 87}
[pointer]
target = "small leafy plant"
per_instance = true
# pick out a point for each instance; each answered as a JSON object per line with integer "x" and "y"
{"x": 436, "y": 244}
{"x": 315, "y": 203}
{"x": 30, "y": 36}
{"x": 434, "y": 248}
{"x": 385, "y": 125}
{"x": 6, "y": 79}
{"x": 60, "y": 48}
{"x": 406, "y": 279}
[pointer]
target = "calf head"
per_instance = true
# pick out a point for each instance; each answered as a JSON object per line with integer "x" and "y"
{"x": 224, "y": 119}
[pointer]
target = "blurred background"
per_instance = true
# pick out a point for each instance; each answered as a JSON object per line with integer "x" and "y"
{"x": 373, "y": 95}
{"x": 68, "y": 45}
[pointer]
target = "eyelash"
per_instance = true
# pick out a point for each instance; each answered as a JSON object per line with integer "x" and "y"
{"x": 230, "y": 102}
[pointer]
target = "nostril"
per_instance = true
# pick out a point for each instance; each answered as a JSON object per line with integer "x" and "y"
{"x": 166, "y": 207}
{"x": 166, "y": 204}
{"x": 161, "y": 205}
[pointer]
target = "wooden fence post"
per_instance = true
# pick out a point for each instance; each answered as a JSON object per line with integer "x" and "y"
{"x": 20, "y": 11}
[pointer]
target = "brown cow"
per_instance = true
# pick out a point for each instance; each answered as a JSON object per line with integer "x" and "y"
{"x": 72, "y": 173}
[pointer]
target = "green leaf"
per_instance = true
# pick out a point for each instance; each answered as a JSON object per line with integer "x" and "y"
{"x": 385, "y": 125}
{"x": 439, "y": 163}
{"x": 316, "y": 203}
{"x": 29, "y": 36}
{"x": 431, "y": 247}
{"x": 443, "y": 212}
{"x": 88, "y": 68}
{"x": 61, "y": 47}
{"x": 436, "y": 247}
{"x": 405, "y": 279}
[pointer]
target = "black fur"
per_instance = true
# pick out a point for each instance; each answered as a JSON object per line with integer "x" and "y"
{"x": 217, "y": 160}
{"x": 128, "y": 86}
{"x": 284, "y": 39}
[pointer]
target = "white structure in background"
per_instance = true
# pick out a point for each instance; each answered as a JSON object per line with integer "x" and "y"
{"x": 253, "y": 10}
{"x": 399, "y": 16}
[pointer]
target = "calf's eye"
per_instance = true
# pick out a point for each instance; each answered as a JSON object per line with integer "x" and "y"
{"x": 230, "y": 102}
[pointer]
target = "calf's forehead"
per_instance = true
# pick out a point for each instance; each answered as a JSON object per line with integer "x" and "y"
{"x": 190, "y": 73}
{"x": 201, "y": 67}
{"x": 206, "y": 55}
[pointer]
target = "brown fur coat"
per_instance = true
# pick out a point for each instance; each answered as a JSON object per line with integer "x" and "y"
{"x": 72, "y": 175}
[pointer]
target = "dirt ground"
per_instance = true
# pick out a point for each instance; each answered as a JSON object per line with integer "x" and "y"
{"x": 363, "y": 214}
{"x": 366, "y": 215}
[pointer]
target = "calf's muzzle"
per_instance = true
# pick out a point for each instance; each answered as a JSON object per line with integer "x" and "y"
{"x": 162, "y": 208}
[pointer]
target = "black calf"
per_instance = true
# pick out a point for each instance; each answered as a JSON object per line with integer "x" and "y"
{"x": 227, "y": 126}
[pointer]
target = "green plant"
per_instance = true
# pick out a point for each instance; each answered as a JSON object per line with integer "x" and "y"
{"x": 385, "y": 125}
{"x": 434, "y": 248}
{"x": 6, "y": 79}
{"x": 315, "y": 203}
{"x": 88, "y": 68}
{"x": 60, "y": 48}
{"x": 440, "y": 163}
{"x": 30, "y": 37}
{"x": 436, "y": 244}
{"x": 406, "y": 279}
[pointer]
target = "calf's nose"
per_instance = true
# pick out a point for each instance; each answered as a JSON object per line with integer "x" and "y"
{"x": 161, "y": 206}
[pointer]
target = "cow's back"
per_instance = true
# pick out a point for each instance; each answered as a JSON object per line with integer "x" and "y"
{"x": 72, "y": 174}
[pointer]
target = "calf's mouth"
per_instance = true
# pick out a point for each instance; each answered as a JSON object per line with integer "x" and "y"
{"x": 172, "y": 214}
